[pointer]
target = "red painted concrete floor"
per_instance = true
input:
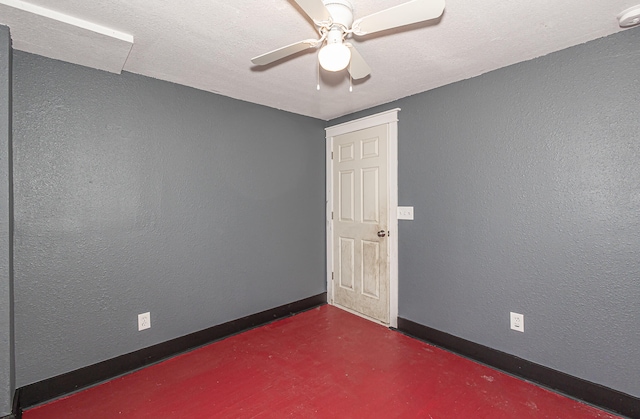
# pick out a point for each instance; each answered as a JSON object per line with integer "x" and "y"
{"x": 323, "y": 363}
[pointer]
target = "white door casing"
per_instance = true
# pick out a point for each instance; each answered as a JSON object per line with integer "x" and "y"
{"x": 362, "y": 198}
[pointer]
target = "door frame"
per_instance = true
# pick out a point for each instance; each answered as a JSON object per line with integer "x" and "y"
{"x": 390, "y": 119}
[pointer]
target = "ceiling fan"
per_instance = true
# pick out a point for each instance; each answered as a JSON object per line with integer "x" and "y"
{"x": 334, "y": 21}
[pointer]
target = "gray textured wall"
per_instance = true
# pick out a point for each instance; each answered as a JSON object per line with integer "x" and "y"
{"x": 135, "y": 195}
{"x": 6, "y": 336}
{"x": 526, "y": 187}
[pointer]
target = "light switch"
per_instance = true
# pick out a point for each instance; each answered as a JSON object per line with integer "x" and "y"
{"x": 405, "y": 213}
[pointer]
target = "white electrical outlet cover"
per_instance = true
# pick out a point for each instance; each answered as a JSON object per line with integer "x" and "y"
{"x": 517, "y": 322}
{"x": 144, "y": 321}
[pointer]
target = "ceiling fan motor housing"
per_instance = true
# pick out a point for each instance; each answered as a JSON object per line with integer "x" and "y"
{"x": 341, "y": 12}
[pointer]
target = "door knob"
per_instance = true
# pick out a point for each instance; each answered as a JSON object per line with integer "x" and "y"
{"x": 381, "y": 233}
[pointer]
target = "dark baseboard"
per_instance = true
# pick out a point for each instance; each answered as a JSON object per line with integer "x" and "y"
{"x": 52, "y": 388}
{"x": 16, "y": 411}
{"x": 569, "y": 385}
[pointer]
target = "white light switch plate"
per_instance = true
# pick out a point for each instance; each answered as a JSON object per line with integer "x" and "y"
{"x": 405, "y": 213}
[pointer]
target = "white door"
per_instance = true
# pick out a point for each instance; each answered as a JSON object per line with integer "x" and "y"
{"x": 361, "y": 222}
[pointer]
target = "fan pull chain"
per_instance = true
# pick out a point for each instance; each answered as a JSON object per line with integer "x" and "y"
{"x": 350, "y": 79}
{"x": 318, "y": 74}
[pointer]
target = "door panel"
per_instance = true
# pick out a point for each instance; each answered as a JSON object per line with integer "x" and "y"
{"x": 347, "y": 197}
{"x": 370, "y": 196}
{"x": 371, "y": 269}
{"x": 347, "y": 262}
{"x": 360, "y": 188}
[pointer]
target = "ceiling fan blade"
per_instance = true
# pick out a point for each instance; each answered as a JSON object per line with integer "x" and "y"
{"x": 280, "y": 53}
{"x": 400, "y": 15}
{"x": 358, "y": 68}
{"x": 315, "y": 9}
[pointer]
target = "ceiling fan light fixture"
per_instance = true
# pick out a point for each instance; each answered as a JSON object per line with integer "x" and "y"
{"x": 334, "y": 56}
{"x": 334, "y": 22}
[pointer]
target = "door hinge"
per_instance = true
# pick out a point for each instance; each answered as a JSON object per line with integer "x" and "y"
{"x": 332, "y": 278}
{"x": 332, "y": 155}
{"x": 332, "y": 215}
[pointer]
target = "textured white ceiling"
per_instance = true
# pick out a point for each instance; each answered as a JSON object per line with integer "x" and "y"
{"x": 208, "y": 44}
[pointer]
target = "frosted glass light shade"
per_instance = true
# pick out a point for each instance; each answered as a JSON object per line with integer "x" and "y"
{"x": 334, "y": 57}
